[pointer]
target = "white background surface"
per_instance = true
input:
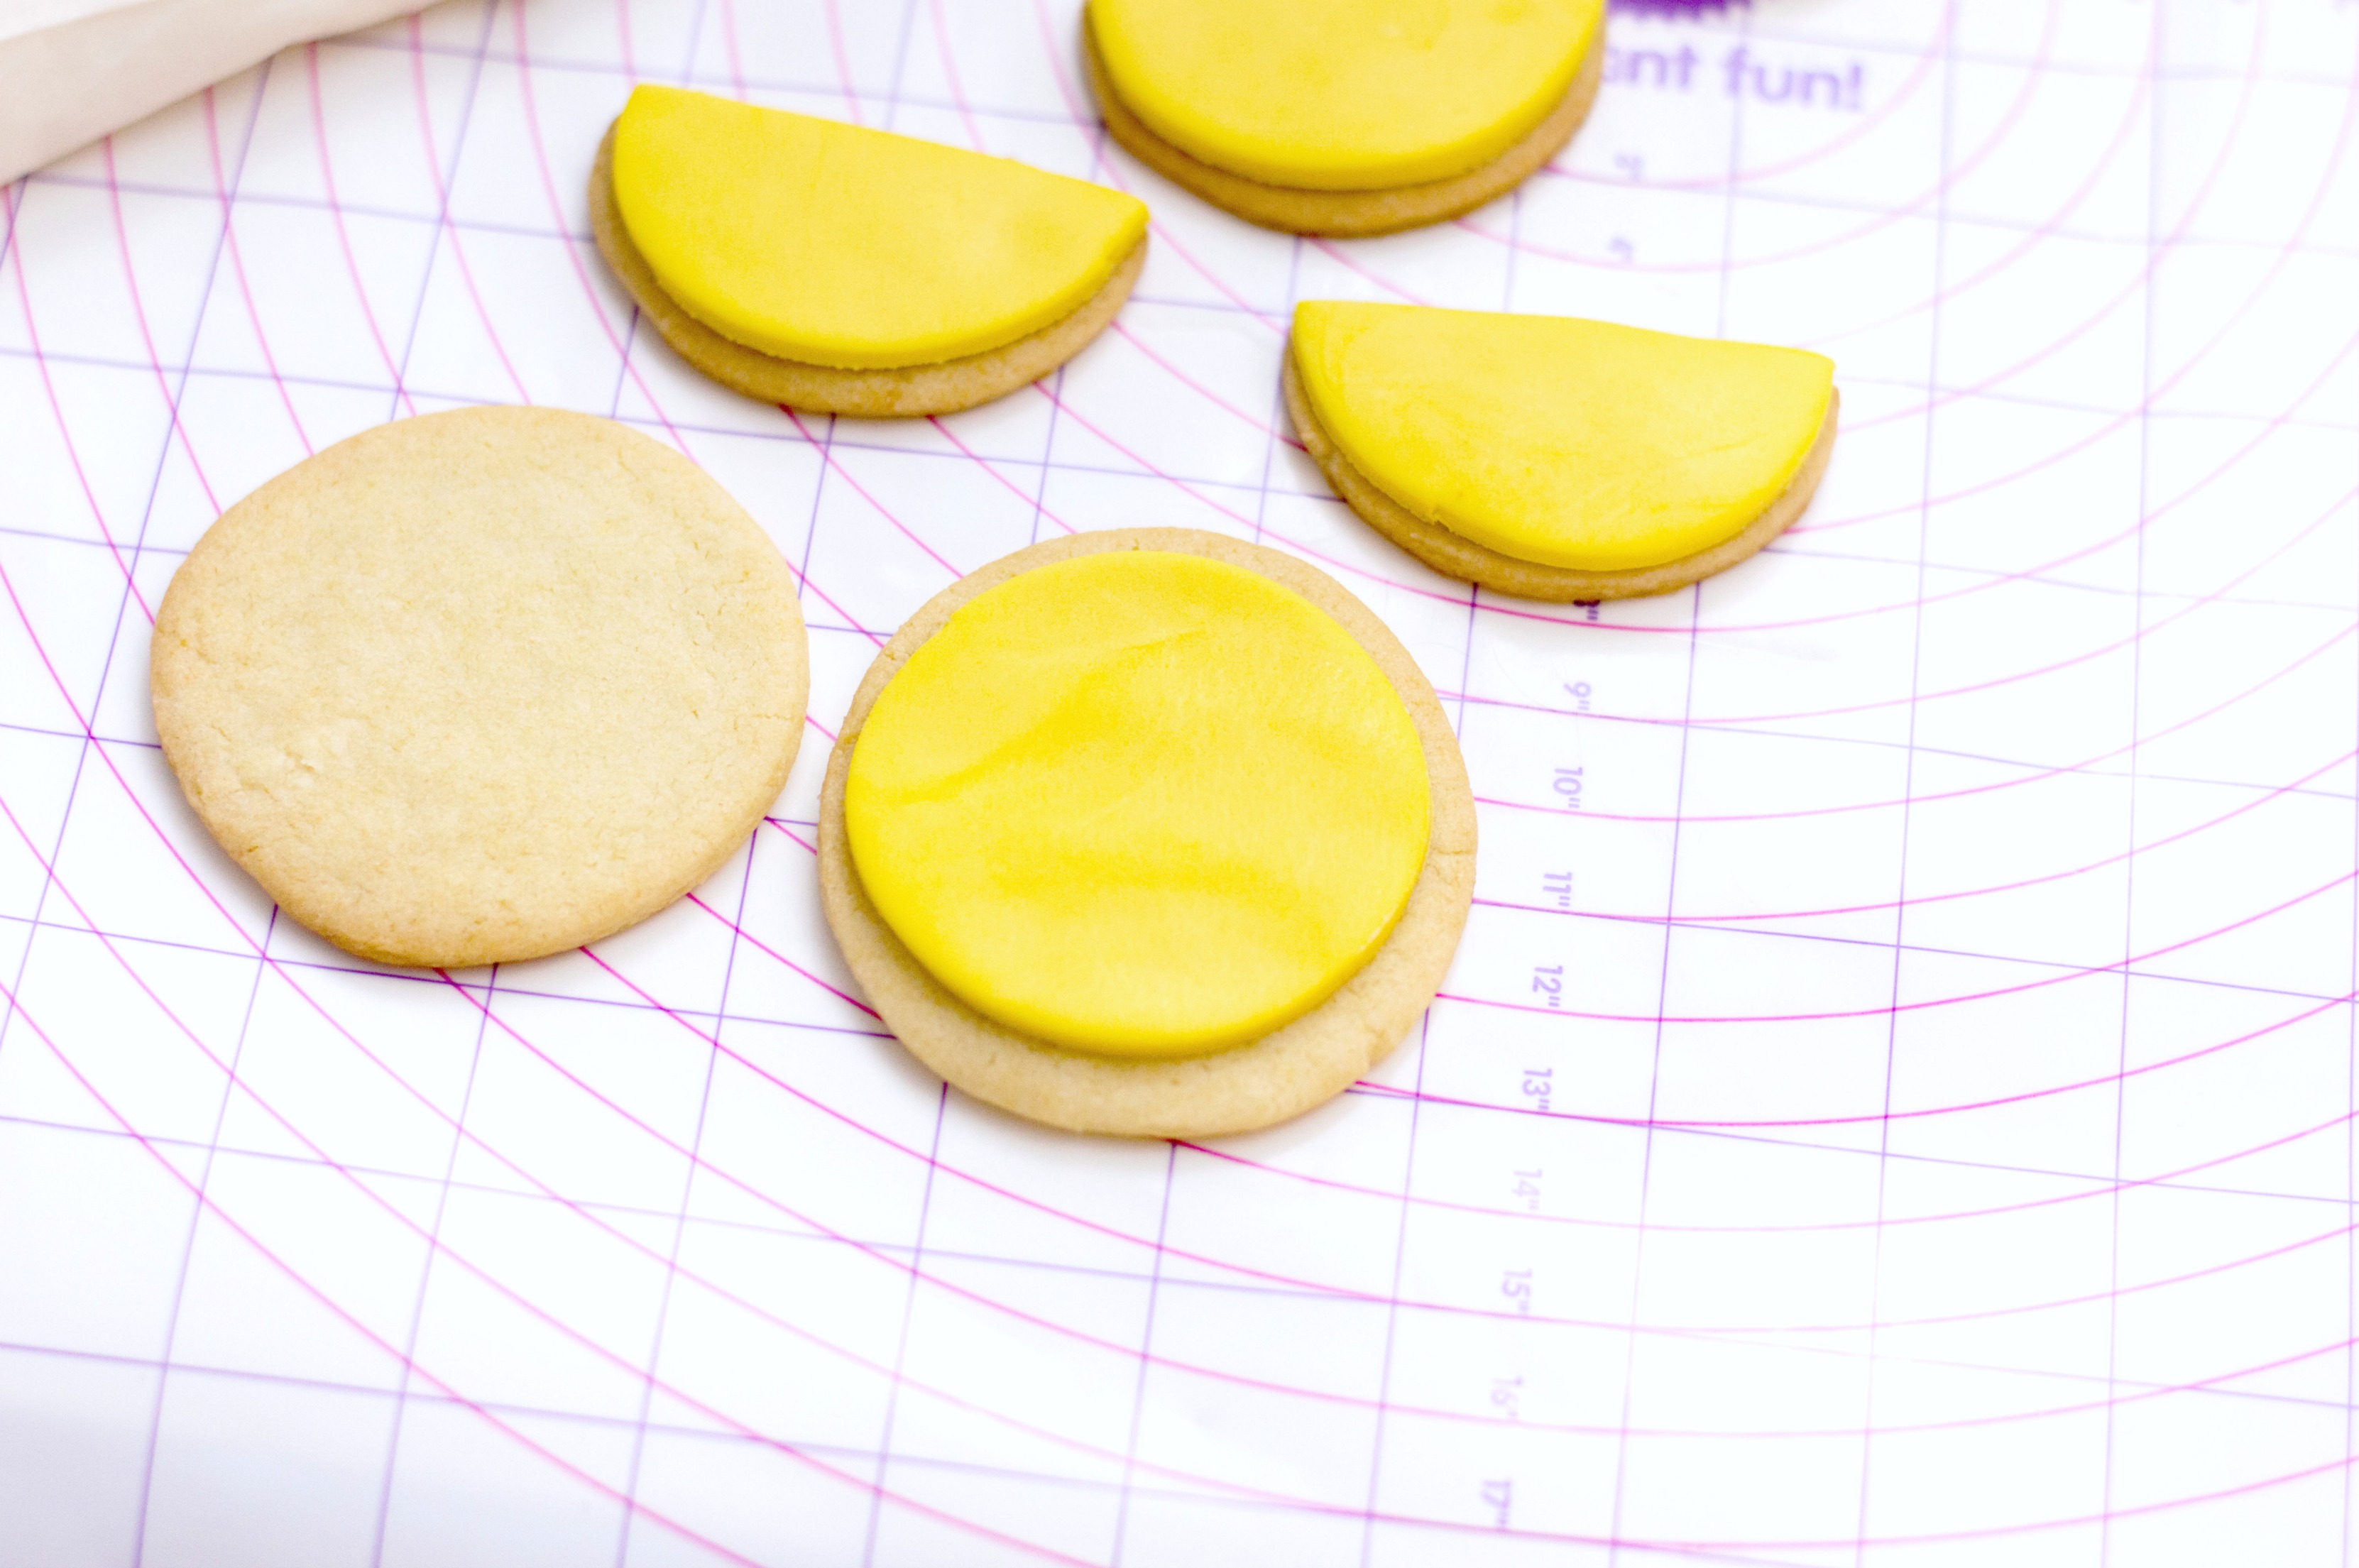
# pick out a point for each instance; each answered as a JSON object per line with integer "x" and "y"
{"x": 1940, "y": 1152}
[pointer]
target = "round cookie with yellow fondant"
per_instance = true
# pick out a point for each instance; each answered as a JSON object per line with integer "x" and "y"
{"x": 1151, "y": 833}
{"x": 482, "y": 685}
{"x": 845, "y": 270}
{"x": 1553, "y": 458}
{"x": 1344, "y": 117}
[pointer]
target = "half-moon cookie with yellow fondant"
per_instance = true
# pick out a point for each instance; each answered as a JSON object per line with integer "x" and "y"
{"x": 1344, "y": 117}
{"x": 1150, "y": 833}
{"x": 1557, "y": 458}
{"x": 850, "y": 271}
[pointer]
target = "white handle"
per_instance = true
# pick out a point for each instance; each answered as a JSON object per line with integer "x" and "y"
{"x": 73, "y": 71}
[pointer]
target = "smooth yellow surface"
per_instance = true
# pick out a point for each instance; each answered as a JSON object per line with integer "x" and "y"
{"x": 1139, "y": 803}
{"x": 1568, "y": 443}
{"x": 835, "y": 246}
{"x": 1344, "y": 94}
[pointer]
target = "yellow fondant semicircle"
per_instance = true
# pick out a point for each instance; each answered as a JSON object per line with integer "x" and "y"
{"x": 1344, "y": 94}
{"x": 1139, "y": 803}
{"x": 858, "y": 249}
{"x": 1567, "y": 443}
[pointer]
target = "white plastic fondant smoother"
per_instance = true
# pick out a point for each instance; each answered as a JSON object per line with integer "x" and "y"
{"x": 73, "y": 71}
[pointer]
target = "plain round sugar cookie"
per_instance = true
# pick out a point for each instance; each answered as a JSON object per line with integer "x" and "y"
{"x": 1553, "y": 458}
{"x": 826, "y": 267}
{"x": 480, "y": 686}
{"x": 1344, "y": 117}
{"x": 1266, "y": 1080}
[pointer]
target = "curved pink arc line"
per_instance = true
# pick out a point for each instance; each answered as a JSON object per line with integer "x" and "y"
{"x": 443, "y": 227}
{"x": 2034, "y": 775}
{"x": 2103, "y": 1080}
{"x": 2096, "y": 1188}
{"x": 1197, "y": 387}
{"x": 1916, "y": 899}
{"x": 139, "y": 315}
{"x": 2144, "y": 280}
{"x": 1065, "y": 407}
{"x": 244, "y": 285}
{"x": 2048, "y": 228}
{"x": 2209, "y": 600}
{"x": 836, "y": 466}
{"x": 2284, "y": 255}
{"x": 343, "y": 239}
{"x": 11, "y": 203}
{"x": 766, "y": 950}
{"x": 1944, "y": 35}
{"x": 2086, "y": 973}
{"x": 842, "y": 61}
{"x": 1001, "y": 479}
{"x": 622, "y": 37}
{"x": 729, "y": 47}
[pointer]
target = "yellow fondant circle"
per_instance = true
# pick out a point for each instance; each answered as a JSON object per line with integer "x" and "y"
{"x": 858, "y": 249}
{"x": 1139, "y": 803}
{"x": 1342, "y": 95}
{"x": 1568, "y": 443}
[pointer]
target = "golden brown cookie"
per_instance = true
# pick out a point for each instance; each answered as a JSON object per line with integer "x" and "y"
{"x": 482, "y": 685}
{"x": 909, "y": 392}
{"x": 1267, "y": 1080}
{"x": 1349, "y": 214}
{"x": 1454, "y": 555}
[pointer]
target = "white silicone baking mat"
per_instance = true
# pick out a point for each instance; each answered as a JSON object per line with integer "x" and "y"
{"x": 1894, "y": 1103}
